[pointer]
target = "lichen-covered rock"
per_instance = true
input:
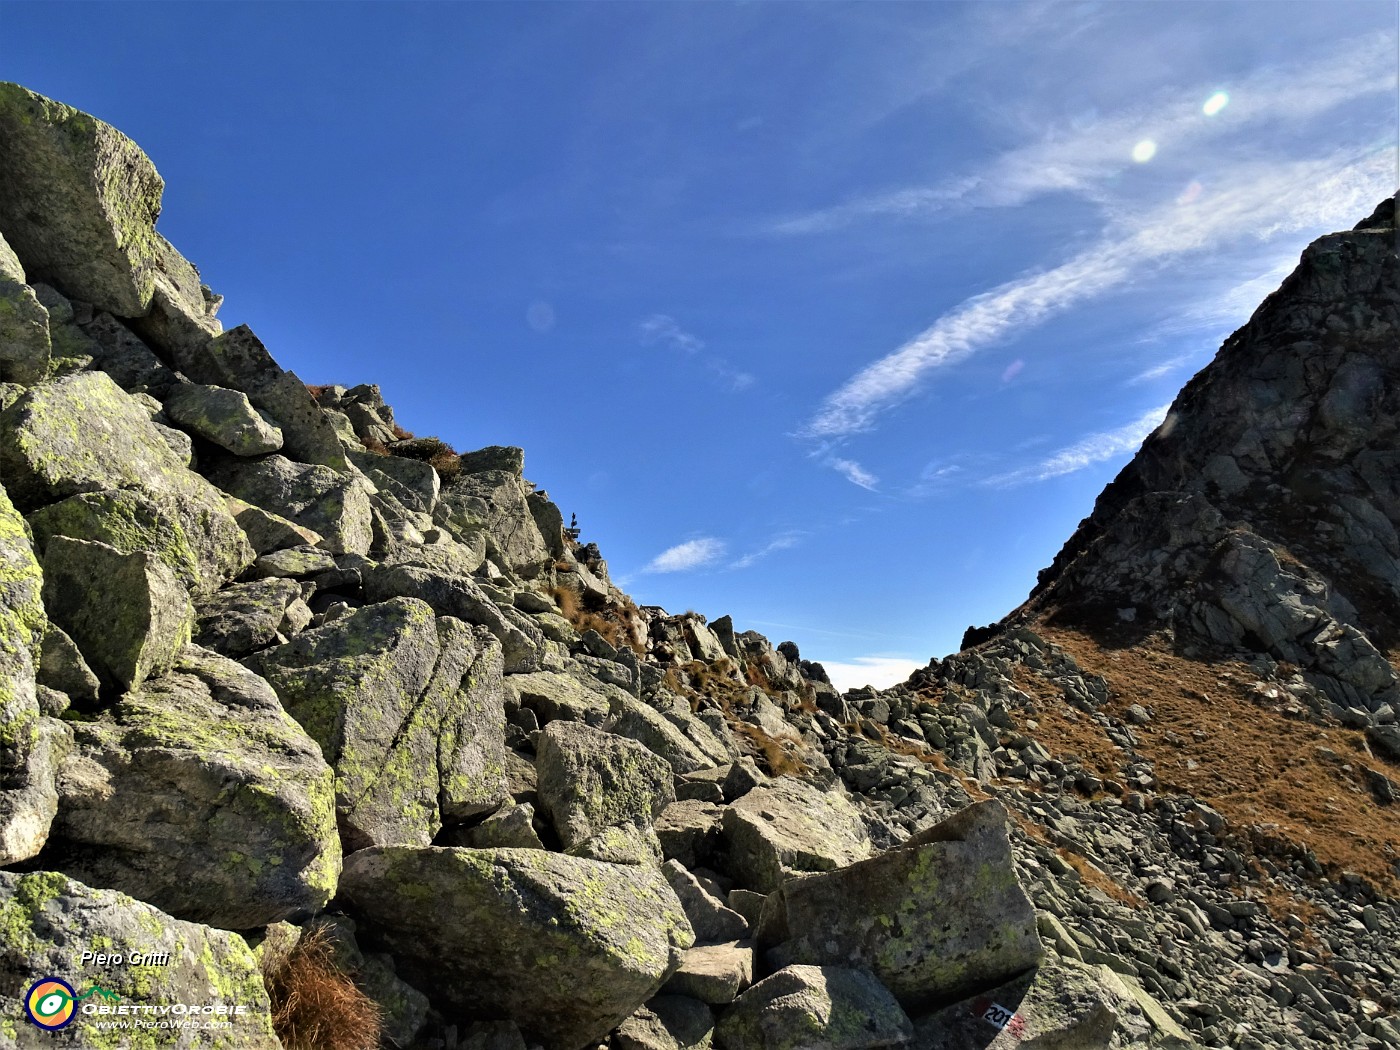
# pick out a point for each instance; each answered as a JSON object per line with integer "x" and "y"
{"x": 244, "y": 617}
{"x": 712, "y": 920}
{"x": 786, "y": 826}
{"x": 224, "y": 417}
{"x": 814, "y": 1008}
{"x": 407, "y": 708}
{"x": 49, "y": 920}
{"x": 460, "y": 596}
{"x": 413, "y": 482}
{"x": 293, "y": 562}
{"x": 335, "y": 506}
{"x": 267, "y": 532}
{"x": 80, "y": 202}
{"x": 935, "y": 919}
{"x": 590, "y": 780}
{"x": 25, "y": 343}
{"x": 713, "y": 973}
{"x": 130, "y": 363}
{"x": 512, "y": 537}
{"x": 566, "y": 948}
{"x": 198, "y": 794}
{"x": 237, "y": 360}
{"x": 194, "y": 537}
{"x": 681, "y": 739}
{"x": 127, "y": 613}
{"x": 510, "y": 827}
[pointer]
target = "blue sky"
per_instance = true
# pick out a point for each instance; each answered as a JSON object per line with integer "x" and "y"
{"x": 835, "y": 318}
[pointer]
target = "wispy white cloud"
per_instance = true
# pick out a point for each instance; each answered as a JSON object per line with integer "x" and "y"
{"x": 879, "y": 671}
{"x": 781, "y": 542}
{"x": 1261, "y": 201}
{"x": 663, "y": 330}
{"x": 1082, "y": 156}
{"x": 1095, "y": 448}
{"x": 854, "y": 473}
{"x": 692, "y": 554}
{"x": 1158, "y": 371}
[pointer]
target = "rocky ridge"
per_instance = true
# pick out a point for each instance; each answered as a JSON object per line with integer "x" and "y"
{"x": 272, "y": 668}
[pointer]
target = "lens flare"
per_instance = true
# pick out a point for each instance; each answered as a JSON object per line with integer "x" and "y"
{"x": 1191, "y": 193}
{"x": 1215, "y": 103}
{"x": 1144, "y": 151}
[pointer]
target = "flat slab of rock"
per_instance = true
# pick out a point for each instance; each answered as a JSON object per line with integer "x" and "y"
{"x": 197, "y": 794}
{"x": 713, "y": 921}
{"x": 127, "y": 613}
{"x": 25, "y": 344}
{"x": 713, "y": 973}
{"x": 590, "y": 780}
{"x": 935, "y": 919}
{"x": 223, "y": 416}
{"x": 407, "y": 708}
{"x": 564, "y": 947}
{"x": 49, "y": 918}
{"x": 786, "y": 826}
{"x": 815, "y": 1008}
{"x": 80, "y": 202}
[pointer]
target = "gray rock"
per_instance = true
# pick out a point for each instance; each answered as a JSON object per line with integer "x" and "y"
{"x": 632, "y": 842}
{"x": 459, "y": 596}
{"x": 785, "y": 827}
{"x": 80, "y": 204}
{"x": 511, "y": 827}
{"x": 127, "y": 613}
{"x": 244, "y": 617}
{"x": 335, "y": 506}
{"x": 224, "y": 417}
{"x": 667, "y": 1022}
{"x": 130, "y": 363}
{"x": 590, "y": 780}
{"x": 512, "y": 537}
{"x": 29, "y": 795}
{"x": 689, "y": 831}
{"x": 237, "y": 359}
{"x": 62, "y": 667}
{"x": 50, "y": 920}
{"x": 195, "y": 538}
{"x": 552, "y": 696}
{"x": 566, "y": 948}
{"x": 407, "y": 709}
{"x": 197, "y": 794}
{"x": 415, "y": 484}
{"x": 24, "y": 325}
{"x": 505, "y": 458}
{"x": 935, "y": 919}
{"x": 22, "y": 628}
{"x": 712, "y": 921}
{"x": 292, "y": 562}
{"x": 814, "y": 1008}
{"x": 713, "y": 973}
{"x": 268, "y": 532}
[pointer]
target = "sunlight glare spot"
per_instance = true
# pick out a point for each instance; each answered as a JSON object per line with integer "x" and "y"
{"x": 1215, "y": 103}
{"x": 1144, "y": 151}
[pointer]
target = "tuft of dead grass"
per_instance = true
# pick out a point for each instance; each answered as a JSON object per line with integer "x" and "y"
{"x": 615, "y": 622}
{"x": 316, "y": 1005}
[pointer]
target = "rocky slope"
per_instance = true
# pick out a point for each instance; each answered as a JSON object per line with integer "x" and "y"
{"x": 274, "y": 673}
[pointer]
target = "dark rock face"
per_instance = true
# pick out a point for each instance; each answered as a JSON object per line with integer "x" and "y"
{"x": 1263, "y": 513}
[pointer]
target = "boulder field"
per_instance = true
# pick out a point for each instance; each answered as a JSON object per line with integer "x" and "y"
{"x": 273, "y": 671}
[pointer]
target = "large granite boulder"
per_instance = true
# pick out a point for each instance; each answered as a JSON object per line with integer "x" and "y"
{"x": 815, "y": 1008}
{"x": 198, "y": 794}
{"x": 938, "y": 918}
{"x": 513, "y": 539}
{"x": 245, "y": 617}
{"x": 784, "y": 827}
{"x": 333, "y": 505}
{"x": 25, "y": 343}
{"x": 407, "y": 708}
{"x": 83, "y": 434}
{"x": 50, "y": 921}
{"x": 204, "y": 550}
{"x": 127, "y": 613}
{"x": 80, "y": 202}
{"x": 590, "y": 780}
{"x": 564, "y": 947}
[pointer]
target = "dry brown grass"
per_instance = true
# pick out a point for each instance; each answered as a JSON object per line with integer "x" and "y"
{"x": 781, "y": 757}
{"x": 613, "y": 621}
{"x": 1284, "y": 783}
{"x": 317, "y": 389}
{"x": 401, "y": 434}
{"x": 376, "y": 446}
{"x": 315, "y": 1005}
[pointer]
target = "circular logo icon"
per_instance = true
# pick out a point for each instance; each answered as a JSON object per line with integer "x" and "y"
{"x": 50, "y": 1003}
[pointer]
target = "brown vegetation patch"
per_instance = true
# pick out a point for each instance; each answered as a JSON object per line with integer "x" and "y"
{"x": 315, "y": 1005}
{"x": 1275, "y": 778}
{"x": 616, "y": 622}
